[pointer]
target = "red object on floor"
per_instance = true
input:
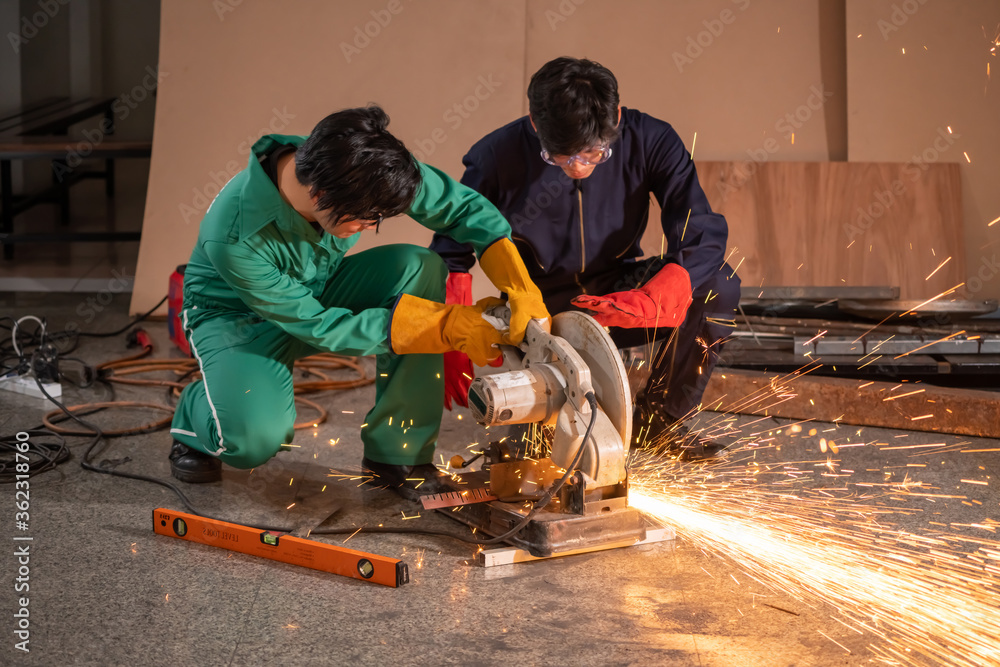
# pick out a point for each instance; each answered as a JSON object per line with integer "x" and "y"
{"x": 139, "y": 337}
{"x": 175, "y": 304}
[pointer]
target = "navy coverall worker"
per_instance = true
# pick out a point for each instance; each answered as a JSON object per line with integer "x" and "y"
{"x": 266, "y": 286}
{"x": 578, "y": 228}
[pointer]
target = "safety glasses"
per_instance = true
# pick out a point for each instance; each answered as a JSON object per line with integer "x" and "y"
{"x": 595, "y": 155}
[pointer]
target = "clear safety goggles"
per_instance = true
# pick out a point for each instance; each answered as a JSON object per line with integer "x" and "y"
{"x": 595, "y": 155}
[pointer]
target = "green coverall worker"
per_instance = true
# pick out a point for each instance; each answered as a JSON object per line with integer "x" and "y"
{"x": 264, "y": 288}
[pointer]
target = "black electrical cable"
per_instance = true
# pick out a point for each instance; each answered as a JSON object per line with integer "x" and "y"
{"x": 61, "y": 454}
{"x": 538, "y": 506}
{"x": 86, "y": 464}
{"x": 85, "y": 461}
{"x": 34, "y": 339}
{"x": 38, "y": 455}
{"x": 125, "y": 328}
{"x": 550, "y": 494}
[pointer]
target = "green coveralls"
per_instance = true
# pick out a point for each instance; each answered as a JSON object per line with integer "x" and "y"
{"x": 263, "y": 288}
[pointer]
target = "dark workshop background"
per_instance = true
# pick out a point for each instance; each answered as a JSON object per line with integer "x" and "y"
{"x": 749, "y": 85}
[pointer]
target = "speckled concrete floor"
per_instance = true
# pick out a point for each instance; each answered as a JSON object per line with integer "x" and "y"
{"x": 105, "y": 590}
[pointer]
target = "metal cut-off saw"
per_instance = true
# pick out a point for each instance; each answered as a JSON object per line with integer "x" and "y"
{"x": 556, "y": 482}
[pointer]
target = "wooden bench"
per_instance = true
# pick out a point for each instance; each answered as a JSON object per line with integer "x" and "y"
{"x": 39, "y": 131}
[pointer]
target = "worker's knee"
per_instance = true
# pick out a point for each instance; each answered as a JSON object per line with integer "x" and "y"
{"x": 422, "y": 271}
{"x": 249, "y": 445}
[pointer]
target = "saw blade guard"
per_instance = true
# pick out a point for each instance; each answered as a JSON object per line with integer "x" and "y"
{"x": 546, "y": 382}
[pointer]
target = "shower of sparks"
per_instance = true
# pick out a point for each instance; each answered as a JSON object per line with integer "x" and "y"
{"x": 994, "y": 222}
{"x": 923, "y": 595}
{"x": 819, "y": 532}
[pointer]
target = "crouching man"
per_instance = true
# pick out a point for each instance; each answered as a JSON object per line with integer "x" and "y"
{"x": 268, "y": 283}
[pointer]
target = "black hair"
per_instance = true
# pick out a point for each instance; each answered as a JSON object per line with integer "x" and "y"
{"x": 574, "y": 105}
{"x": 356, "y": 167}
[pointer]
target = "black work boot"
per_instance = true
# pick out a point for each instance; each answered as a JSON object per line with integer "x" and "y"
{"x": 655, "y": 430}
{"x": 411, "y": 482}
{"x": 194, "y": 467}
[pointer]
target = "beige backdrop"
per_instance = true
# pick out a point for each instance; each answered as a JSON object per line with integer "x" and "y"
{"x": 899, "y": 103}
{"x": 729, "y": 70}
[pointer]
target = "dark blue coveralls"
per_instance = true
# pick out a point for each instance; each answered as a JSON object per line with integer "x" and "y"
{"x": 583, "y": 237}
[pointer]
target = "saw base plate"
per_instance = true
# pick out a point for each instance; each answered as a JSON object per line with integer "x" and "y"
{"x": 498, "y": 556}
{"x": 551, "y": 532}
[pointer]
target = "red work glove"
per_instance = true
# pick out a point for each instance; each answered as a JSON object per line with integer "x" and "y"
{"x": 661, "y": 302}
{"x": 457, "y": 366}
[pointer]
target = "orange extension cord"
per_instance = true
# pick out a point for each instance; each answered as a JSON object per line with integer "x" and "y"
{"x": 187, "y": 371}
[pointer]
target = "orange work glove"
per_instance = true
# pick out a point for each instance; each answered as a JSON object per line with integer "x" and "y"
{"x": 421, "y": 326}
{"x": 503, "y": 266}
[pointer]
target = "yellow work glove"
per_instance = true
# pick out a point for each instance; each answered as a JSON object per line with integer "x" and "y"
{"x": 419, "y": 326}
{"x": 503, "y": 266}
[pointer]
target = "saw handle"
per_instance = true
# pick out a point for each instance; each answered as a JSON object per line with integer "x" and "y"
{"x": 533, "y": 329}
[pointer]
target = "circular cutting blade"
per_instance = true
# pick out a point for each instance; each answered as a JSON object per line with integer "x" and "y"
{"x": 607, "y": 372}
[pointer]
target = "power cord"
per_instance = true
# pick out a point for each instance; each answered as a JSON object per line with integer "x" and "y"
{"x": 40, "y": 455}
{"x": 44, "y": 364}
{"x": 551, "y": 493}
{"x": 13, "y": 350}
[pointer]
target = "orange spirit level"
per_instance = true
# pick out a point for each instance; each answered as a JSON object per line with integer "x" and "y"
{"x": 281, "y": 547}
